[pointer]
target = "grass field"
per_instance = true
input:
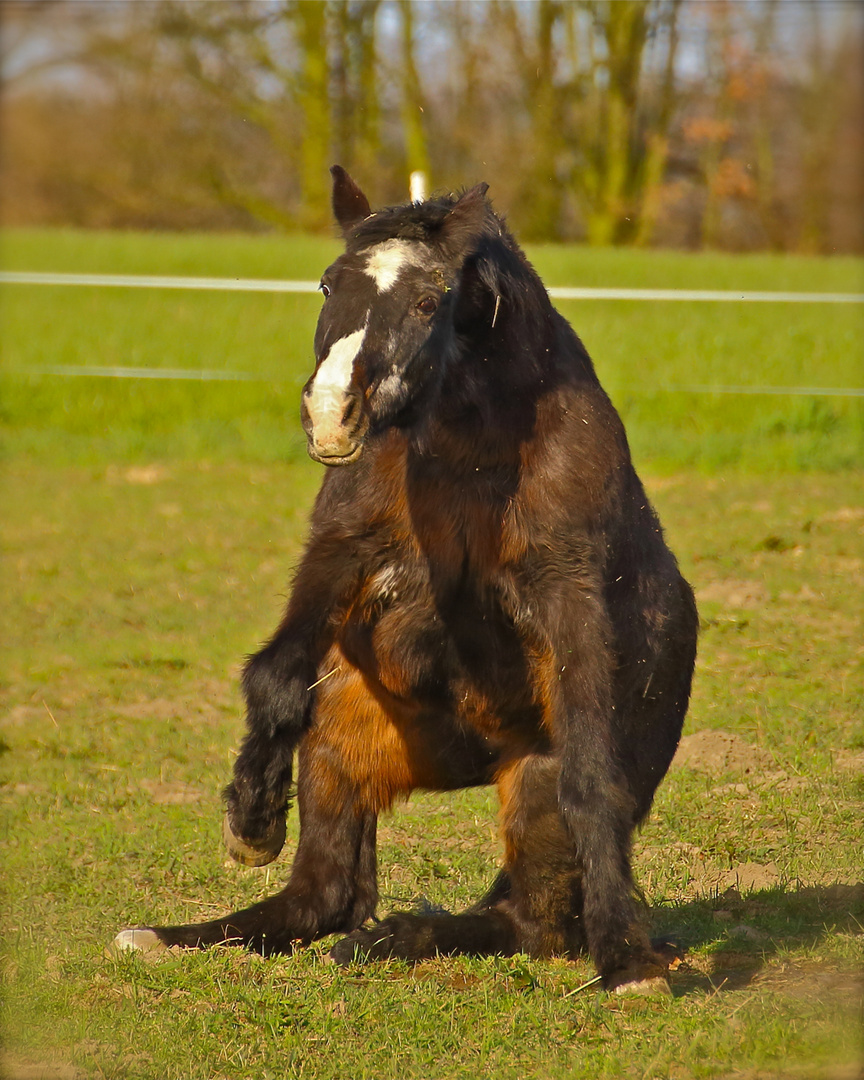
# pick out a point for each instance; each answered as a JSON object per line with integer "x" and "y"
{"x": 148, "y": 535}
{"x": 644, "y": 352}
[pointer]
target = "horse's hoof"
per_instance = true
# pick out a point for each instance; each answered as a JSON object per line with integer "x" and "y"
{"x": 342, "y": 953}
{"x": 139, "y": 940}
{"x": 346, "y": 952}
{"x": 656, "y": 986}
{"x": 259, "y": 854}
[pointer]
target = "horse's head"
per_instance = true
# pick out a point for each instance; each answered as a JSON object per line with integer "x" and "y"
{"x": 387, "y": 321}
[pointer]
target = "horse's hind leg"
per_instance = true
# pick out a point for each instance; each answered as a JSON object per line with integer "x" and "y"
{"x": 533, "y": 906}
{"x": 332, "y": 887}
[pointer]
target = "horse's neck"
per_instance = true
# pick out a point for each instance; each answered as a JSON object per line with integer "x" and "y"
{"x": 485, "y": 407}
{"x": 457, "y": 514}
{"x": 468, "y": 439}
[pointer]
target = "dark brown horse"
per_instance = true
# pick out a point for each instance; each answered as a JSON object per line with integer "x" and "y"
{"x": 485, "y": 598}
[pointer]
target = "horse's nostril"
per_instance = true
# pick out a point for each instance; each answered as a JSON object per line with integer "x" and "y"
{"x": 351, "y": 414}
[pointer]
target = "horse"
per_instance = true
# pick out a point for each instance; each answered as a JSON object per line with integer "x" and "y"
{"x": 485, "y": 597}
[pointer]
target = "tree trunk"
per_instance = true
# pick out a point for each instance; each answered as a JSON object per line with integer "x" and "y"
{"x": 624, "y": 23}
{"x": 413, "y": 127}
{"x": 314, "y": 100}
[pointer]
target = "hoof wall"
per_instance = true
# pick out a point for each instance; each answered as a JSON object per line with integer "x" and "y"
{"x": 657, "y": 986}
{"x": 248, "y": 855}
{"x": 346, "y": 952}
{"x": 143, "y": 941}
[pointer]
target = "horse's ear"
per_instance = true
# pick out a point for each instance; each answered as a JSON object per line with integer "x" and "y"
{"x": 350, "y": 205}
{"x": 465, "y": 221}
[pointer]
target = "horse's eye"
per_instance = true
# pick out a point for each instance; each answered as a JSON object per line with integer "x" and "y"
{"x": 428, "y": 306}
{"x": 324, "y": 289}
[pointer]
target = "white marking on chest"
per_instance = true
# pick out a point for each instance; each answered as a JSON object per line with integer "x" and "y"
{"x": 385, "y": 262}
{"x": 386, "y": 583}
{"x": 325, "y": 400}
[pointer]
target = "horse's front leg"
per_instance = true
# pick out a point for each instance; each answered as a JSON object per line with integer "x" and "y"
{"x": 595, "y": 800}
{"x": 279, "y": 684}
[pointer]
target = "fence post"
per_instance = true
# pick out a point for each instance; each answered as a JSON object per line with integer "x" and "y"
{"x": 417, "y": 186}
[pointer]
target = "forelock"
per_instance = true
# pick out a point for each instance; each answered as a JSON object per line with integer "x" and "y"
{"x": 385, "y": 262}
{"x": 410, "y": 222}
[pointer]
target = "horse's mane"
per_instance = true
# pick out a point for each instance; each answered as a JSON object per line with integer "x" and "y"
{"x": 406, "y": 221}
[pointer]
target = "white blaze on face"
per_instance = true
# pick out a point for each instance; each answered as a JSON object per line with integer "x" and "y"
{"x": 325, "y": 399}
{"x": 386, "y": 261}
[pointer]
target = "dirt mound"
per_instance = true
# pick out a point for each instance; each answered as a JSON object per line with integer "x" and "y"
{"x": 749, "y": 877}
{"x": 170, "y": 794}
{"x": 719, "y": 752}
{"x": 734, "y": 594}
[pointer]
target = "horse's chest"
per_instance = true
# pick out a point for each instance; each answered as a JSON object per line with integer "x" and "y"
{"x": 395, "y": 633}
{"x": 441, "y": 641}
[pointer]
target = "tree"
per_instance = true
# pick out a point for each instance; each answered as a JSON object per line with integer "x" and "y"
{"x": 622, "y": 132}
{"x": 358, "y": 142}
{"x": 228, "y": 113}
{"x": 416, "y": 149}
{"x": 313, "y": 97}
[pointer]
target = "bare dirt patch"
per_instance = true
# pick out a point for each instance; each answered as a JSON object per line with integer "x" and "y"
{"x": 812, "y": 982}
{"x": 837, "y": 896}
{"x": 201, "y": 708}
{"x": 746, "y": 878}
{"x": 664, "y": 483}
{"x": 850, "y": 762}
{"x": 13, "y": 1068}
{"x": 153, "y": 709}
{"x": 716, "y": 752}
{"x": 26, "y": 716}
{"x": 844, "y": 513}
{"x": 730, "y": 886}
{"x": 139, "y": 474}
{"x": 790, "y": 1071}
{"x": 170, "y": 794}
{"x": 733, "y": 593}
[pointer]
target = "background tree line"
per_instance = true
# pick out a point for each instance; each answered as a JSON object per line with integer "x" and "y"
{"x": 679, "y": 122}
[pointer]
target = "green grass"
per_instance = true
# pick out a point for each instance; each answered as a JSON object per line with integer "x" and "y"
{"x": 298, "y": 256}
{"x": 184, "y": 254}
{"x": 645, "y": 353}
{"x": 614, "y": 267}
{"x": 148, "y": 533}
{"x": 131, "y": 595}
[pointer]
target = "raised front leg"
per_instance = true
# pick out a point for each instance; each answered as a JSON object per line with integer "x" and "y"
{"x": 279, "y": 684}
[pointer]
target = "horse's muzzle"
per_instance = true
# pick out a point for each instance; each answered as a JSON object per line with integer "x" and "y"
{"x": 335, "y": 434}
{"x": 324, "y": 456}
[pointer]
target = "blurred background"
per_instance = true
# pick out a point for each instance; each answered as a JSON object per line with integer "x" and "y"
{"x": 705, "y": 124}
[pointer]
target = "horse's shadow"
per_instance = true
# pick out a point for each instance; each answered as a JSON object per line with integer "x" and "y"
{"x": 725, "y": 942}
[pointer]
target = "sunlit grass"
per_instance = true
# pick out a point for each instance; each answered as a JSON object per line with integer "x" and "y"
{"x": 655, "y": 359}
{"x": 131, "y": 595}
{"x": 149, "y": 531}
